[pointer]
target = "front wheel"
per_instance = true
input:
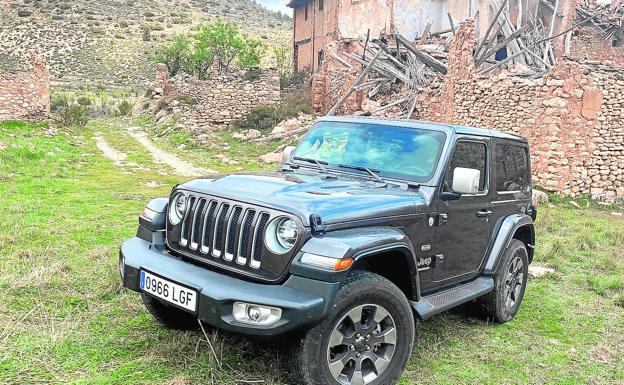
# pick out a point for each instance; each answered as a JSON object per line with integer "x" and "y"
{"x": 367, "y": 339}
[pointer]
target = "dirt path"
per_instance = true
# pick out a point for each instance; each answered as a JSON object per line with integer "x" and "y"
{"x": 180, "y": 166}
{"x": 118, "y": 157}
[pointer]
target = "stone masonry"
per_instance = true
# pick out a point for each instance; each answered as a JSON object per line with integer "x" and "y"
{"x": 25, "y": 95}
{"x": 220, "y": 100}
{"x": 573, "y": 117}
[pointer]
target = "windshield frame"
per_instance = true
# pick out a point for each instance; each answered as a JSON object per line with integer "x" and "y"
{"x": 405, "y": 178}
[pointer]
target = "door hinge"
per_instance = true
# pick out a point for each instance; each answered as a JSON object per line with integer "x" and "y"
{"x": 441, "y": 220}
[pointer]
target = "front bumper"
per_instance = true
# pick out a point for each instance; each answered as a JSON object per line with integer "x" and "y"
{"x": 304, "y": 302}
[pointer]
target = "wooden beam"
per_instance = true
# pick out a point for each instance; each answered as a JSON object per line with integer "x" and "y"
{"x": 451, "y": 22}
{"x": 489, "y": 29}
{"x": 423, "y": 57}
{"x": 357, "y": 81}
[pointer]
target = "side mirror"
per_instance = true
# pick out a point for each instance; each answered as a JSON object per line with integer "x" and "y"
{"x": 286, "y": 153}
{"x": 466, "y": 180}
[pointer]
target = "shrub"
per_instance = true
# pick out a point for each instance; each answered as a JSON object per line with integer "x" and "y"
{"x": 266, "y": 117}
{"x": 84, "y": 101}
{"x": 59, "y": 101}
{"x": 74, "y": 115}
{"x": 176, "y": 56}
{"x": 125, "y": 107}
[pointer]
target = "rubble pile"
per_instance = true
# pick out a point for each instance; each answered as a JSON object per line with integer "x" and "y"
{"x": 395, "y": 70}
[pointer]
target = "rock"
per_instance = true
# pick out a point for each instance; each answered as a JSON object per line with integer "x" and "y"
{"x": 288, "y": 125}
{"x": 152, "y": 184}
{"x": 539, "y": 197}
{"x": 555, "y": 102}
{"x": 573, "y": 203}
{"x": 539, "y": 271}
{"x": 24, "y": 13}
{"x": 51, "y": 132}
{"x": 616, "y": 214}
{"x": 174, "y": 103}
{"x": 272, "y": 157}
{"x": 159, "y": 90}
{"x": 247, "y": 134}
{"x": 2, "y": 146}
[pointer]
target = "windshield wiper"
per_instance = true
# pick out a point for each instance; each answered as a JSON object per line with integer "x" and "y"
{"x": 371, "y": 171}
{"x": 320, "y": 163}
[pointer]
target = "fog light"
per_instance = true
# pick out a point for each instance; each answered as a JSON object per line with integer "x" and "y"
{"x": 256, "y": 314}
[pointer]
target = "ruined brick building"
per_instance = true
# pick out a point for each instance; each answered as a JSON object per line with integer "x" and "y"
{"x": 318, "y": 23}
{"x": 572, "y": 112}
{"x": 25, "y": 95}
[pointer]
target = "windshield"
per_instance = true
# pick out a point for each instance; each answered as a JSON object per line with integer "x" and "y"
{"x": 394, "y": 152}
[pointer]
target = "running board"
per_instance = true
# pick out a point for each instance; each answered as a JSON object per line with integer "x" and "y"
{"x": 436, "y": 303}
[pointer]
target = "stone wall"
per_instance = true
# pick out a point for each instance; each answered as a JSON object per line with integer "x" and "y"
{"x": 25, "y": 95}
{"x": 573, "y": 118}
{"x": 220, "y": 100}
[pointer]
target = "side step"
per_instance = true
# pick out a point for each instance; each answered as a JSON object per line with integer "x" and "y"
{"x": 436, "y": 303}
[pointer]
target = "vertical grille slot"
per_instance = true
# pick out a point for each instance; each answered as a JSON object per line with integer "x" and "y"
{"x": 230, "y": 238}
{"x": 217, "y": 242}
{"x": 245, "y": 237}
{"x": 196, "y": 229}
{"x": 256, "y": 253}
{"x": 206, "y": 229}
{"x": 187, "y": 221}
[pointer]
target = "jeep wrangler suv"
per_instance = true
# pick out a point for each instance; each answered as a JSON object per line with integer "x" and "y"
{"x": 368, "y": 224}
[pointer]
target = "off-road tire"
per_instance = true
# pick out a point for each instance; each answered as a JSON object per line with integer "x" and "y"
{"x": 169, "y": 316}
{"x": 309, "y": 356}
{"x": 495, "y": 303}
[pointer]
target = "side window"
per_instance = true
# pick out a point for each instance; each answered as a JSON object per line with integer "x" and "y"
{"x": 467, "y": 155}
{"x": 512, "y": 168}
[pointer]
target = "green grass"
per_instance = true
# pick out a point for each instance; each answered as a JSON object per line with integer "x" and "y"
{"x": 65, "y": 319}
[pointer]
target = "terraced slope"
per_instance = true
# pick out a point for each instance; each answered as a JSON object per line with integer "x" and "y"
{"x": 108, "y": 42}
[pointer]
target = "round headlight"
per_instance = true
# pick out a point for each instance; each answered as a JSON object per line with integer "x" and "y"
{"x": 287, "y": 233}
{"x": 177, "y": 209}
{"x": 281, "y": 235}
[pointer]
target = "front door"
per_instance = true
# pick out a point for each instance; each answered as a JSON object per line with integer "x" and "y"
{"x": 464, "y": 231}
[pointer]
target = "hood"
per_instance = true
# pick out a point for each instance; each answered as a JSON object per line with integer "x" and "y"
{"x": 303, "y": 193}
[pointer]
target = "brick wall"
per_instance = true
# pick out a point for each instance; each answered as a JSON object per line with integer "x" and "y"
{"x": 25, "y": 95}
{"x": 220, "y": 100}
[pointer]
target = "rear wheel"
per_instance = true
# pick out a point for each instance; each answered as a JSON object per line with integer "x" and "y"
{"x": 367, "y": 340}
{"x": 510, "y": 281}
{"x": 169, "y": 316}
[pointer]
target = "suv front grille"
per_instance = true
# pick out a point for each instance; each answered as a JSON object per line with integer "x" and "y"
{"x": 228, "y": 234}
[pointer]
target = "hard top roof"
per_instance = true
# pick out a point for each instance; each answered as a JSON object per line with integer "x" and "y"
{"x": 446, "y": 128}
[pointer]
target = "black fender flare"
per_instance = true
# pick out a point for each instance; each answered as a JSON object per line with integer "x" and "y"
{"x": 358, "y": 244}
{"x": 505, "y": 229}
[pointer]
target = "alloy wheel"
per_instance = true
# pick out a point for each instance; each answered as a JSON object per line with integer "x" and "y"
{"x": 513, "y": 282}
{"x": 362, "y": 345}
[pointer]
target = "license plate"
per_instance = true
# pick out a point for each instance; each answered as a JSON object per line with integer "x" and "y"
{"x": 169, "y": 291}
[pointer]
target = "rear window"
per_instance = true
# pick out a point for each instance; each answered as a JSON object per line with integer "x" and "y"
{"x": 512, "y": 168}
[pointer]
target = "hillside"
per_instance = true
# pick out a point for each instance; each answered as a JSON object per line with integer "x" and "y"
{"x": 108, "y": 43}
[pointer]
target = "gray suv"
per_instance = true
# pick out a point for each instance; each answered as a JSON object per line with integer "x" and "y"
{"x": 368, "y": 224}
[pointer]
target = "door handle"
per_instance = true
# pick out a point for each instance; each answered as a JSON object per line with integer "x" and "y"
{"x": 484, "y": 213}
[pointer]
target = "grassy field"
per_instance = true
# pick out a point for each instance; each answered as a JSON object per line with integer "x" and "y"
{"x": 65, "y": 319}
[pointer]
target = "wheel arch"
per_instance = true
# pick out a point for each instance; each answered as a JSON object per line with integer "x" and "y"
{"x": 514, "y": 226}
{"x": 386, "y": 251}
{"x": 395, "y": 263}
